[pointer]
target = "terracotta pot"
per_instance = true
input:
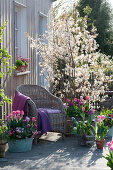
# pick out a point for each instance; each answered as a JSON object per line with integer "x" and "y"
{"x": 2, "y": 150}
{"x": 100, "y": 144}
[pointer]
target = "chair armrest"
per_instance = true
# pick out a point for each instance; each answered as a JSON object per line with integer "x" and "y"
{"x": 32, "y": 109}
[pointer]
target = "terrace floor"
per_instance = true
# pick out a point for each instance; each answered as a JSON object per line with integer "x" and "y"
{"x": 53, "y": 153}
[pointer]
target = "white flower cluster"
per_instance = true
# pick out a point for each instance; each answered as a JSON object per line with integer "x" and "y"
{"x": 70, "y": 58}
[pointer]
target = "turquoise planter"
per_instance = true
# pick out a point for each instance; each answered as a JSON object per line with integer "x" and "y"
{"x": 22, "y": 145}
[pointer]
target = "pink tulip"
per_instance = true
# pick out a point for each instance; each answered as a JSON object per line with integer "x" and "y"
{"x": 87, "y": 97}
{"x": 111, "y": 148}
{"x": 109, "y": 144}
{"x": 99, "y": 117}
{"x": 67, "y": 100}
{"x": 14, "y": 112}
{"x": 103, "y": 117}
{"x": 98, "y": 120}
{"x": 22, "y": 112}
{"x": 75, "y": 99}
{"x": 10, "y": 116}
{"x": 33, "y": 119}
{"x": 83, "y": 109}
{"x": 93, "y": 110}
{"x": 17, "y": 112}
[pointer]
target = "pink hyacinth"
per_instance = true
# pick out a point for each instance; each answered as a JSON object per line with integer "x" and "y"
{"x": 83, "y": 109}
{"x": 75, "y": 99}
{"x": 33, "y": 119}
{"x": 67, "y": 100}
{"x": 87, "y": 97}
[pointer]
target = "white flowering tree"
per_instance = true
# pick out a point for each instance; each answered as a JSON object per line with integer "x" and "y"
{"x": 71, "y": 59}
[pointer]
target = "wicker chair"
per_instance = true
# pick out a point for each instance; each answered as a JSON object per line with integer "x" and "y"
{"x": 41, "y": 98}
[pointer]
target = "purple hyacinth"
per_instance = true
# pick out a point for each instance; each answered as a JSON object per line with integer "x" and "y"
{"x": 71, "y": 104}
{"x": 90, "y": 112}
{"x": 24, "y": 121}
{"x": 28, "y": 126}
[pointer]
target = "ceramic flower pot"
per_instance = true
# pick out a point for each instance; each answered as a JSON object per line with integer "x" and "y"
{"x": 100, "y": 144}
{"x": 2, "y": 150}
{"x": 21, "y": 145}
{"x": 86, "y": 140}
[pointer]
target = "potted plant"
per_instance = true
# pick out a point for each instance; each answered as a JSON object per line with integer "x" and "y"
{"x": 3, "y": 138}
{"x": 74, "y": 108}
{"x": 101, "y": 131}
{"x": 21, "y": 63}
{"x": 21, "y": 132}
{"x": 84, "y": 130}
{"x": 108, "y": 121}
{"x": 109, "y": 157}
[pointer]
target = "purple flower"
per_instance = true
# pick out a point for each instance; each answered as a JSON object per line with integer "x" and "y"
{"x": 27, "y": 119}
{"x": 81, "y": 103}
{"x": 24, "y": 121}
{"x": 78, "y": 100}
{"x": 71, "y": 104}
{"x": 81, "y": 97}
{"x": 74, "y": 128}
{"x": 35, "y": 126}
{"x": 28, "y": 126}
{"x": 73, "y": 118}
{"x": 90, "y": 112}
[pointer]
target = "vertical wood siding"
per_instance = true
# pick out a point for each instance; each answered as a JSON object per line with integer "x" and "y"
{"x": 7, "y": 13}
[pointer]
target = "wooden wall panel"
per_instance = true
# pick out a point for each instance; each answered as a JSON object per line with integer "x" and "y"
{"x": 7, "y": 13}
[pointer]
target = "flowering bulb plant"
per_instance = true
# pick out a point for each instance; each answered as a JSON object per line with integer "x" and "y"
{"x": 21, "y": 62}
{"x": 108, "y": 121}
{"x": 83, "y": 127}
{"x": 77, "y": 106}
{"x": 101, "y": 129}
{"x": 109, "y": 157}
{"x": 20, "y": 128}
{"x": 3, "y": 132}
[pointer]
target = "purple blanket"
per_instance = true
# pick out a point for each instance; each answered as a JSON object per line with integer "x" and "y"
{"x": 19, "y": 103}
{"x": 44, "y": 124}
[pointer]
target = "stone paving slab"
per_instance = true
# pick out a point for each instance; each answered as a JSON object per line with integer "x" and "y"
{"x": 58, "y": 155}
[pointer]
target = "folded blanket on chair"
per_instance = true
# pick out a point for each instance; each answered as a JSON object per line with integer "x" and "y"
{"x": 19, "y": 102}
{"x": 44, "y": 124}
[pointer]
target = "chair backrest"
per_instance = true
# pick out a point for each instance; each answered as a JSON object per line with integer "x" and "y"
{"x": 41, "y": 97}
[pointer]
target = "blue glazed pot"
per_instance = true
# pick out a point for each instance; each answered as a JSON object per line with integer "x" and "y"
{"x": 22, "y": 145}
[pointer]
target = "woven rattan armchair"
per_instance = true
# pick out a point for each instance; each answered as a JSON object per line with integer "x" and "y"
{"x": 41, "y": 98}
